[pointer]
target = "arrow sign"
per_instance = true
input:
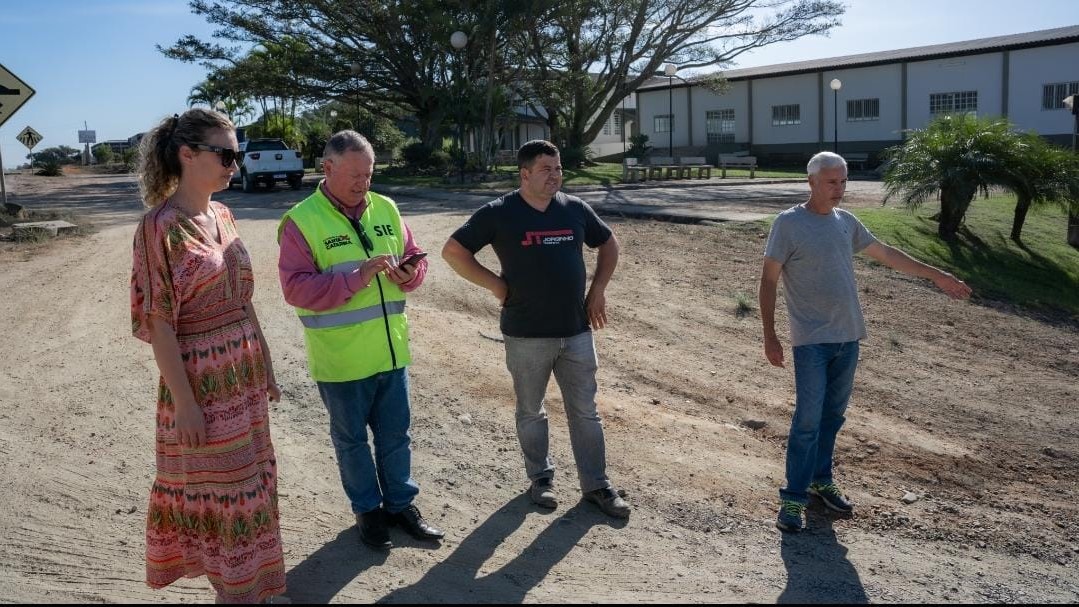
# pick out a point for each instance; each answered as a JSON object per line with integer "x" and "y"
{"x": 13, "y": 94}
{"x": 29, "y": 137}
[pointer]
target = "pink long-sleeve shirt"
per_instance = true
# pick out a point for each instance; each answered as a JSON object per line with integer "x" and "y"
{"x": 305, "y": 287}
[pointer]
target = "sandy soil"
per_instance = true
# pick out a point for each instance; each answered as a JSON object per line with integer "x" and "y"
{"x": 963, "y": 404}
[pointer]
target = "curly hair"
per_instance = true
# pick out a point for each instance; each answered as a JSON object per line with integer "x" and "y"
{"x": 159, "y": 160}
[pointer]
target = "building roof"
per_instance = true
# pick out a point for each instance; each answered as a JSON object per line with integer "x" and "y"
{"x": 1050, "y": 37}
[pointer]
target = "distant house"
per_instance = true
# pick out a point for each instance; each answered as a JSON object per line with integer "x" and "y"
{"x": 119, "y": 146}
{"x": 787, "y": 112}
{"x": 529, "y": 124}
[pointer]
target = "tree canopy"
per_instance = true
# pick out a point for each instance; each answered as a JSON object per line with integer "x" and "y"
{"x": 574, "y": 60}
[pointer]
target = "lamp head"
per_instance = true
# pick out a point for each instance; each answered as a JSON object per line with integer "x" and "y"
{"x": 670, "y": 69}
{"x": 458, "y": 39}
{"x": 1069, "y": 102}
{"x": 836, "y": 84}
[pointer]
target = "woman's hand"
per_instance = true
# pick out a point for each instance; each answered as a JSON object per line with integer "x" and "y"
{"x": 190, "y": 426}
{"x": 273, "y": 391}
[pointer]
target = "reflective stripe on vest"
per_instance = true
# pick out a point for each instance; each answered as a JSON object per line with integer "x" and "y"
{"x": 368, "y": 334}
{"x": 340, "y": 319}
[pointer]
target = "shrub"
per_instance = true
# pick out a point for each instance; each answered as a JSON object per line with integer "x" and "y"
{"x": 638, "y": 147}
{"x": 575, "y": 157}
{"x": 50, "y": 168}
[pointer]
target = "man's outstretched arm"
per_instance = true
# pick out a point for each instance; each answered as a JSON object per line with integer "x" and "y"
{"x": 900, "y": 261}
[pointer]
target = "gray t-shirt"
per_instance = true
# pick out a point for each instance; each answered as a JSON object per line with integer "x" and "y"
{"x": 817, "y": 252}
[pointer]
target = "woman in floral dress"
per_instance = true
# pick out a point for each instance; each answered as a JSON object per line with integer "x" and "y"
{"x": 213, "y": 503}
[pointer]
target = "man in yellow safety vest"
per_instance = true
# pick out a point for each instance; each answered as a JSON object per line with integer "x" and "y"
{"x": 347, "y": 260}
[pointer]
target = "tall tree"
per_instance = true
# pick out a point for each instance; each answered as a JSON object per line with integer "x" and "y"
{"x": 394, "y": 51}
{"x": 585, "y": 56}
{"x": 575, "y": 59}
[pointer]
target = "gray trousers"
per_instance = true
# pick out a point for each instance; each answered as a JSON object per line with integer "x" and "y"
{"x": 530, "y": 361}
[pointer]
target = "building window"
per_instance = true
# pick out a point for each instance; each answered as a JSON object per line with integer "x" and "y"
{"x": 786, "y": 114}
{"x": 1053, "y": 94}
{"x": 861, "y": 110}
{"x": 663, "y": 123}
{"x": 965, "y": 102}
{"x": 607, "y": 125}
{"x": 720, "y": 126}
{"x": 616, "y": 117}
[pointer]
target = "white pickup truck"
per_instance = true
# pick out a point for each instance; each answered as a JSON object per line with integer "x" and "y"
{"x": 268, "y": 161}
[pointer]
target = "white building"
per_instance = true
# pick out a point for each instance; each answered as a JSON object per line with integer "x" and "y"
{"x": 528, "y": 124}
{"x": 787, "y": 112}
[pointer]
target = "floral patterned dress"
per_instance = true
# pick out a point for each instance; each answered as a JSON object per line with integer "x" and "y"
{"x": 213, "y": 510}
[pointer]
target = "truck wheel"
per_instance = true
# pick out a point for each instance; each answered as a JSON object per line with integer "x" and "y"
{"x": 295, "y": 182}
{"x": 248, "y": 182}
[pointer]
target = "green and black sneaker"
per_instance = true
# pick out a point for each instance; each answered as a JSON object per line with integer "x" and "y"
{"x": 790, "y": 516}
{"x": 831, "y": 496}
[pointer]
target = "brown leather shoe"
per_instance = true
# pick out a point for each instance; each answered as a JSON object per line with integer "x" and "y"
{"x": 609, "y": 502}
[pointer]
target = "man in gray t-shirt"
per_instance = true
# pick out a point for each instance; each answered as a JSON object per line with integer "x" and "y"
{"x": 812, "y": 247}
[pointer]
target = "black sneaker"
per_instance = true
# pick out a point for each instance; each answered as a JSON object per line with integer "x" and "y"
{"x": 373, "y": 529}
{"x": 831, "y": 496}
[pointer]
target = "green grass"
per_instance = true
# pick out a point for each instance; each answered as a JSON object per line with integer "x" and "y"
{"x": 1041, "y": 274}
{"x": 604, "y": 173}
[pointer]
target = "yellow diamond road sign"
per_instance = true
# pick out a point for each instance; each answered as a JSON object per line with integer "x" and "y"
{"x": 29, "y": 137}
{"x": 13, "y": 94}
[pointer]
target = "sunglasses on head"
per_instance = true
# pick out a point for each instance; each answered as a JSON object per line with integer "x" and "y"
{"x": 228, "y": 155}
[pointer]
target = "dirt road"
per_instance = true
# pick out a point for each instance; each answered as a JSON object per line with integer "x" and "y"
{"x": 968, "y": 407}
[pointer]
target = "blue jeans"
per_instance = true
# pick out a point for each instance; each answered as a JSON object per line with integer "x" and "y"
{"x": 381, "y": 402}
{"x": 823, "y": 379}
{"x": 530, "y": 361}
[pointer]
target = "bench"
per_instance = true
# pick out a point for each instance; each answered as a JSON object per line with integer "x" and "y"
{"x": 726, "y": 161}
{"x": 506, "y": 157}
{"x": 857, "y": 158}
{"x": 632, "y": 170}
{"x": 689, "y": 163}
{"x": 662, "y": 166}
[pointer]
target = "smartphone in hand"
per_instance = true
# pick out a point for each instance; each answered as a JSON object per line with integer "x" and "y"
{"x": 411, "y": 260}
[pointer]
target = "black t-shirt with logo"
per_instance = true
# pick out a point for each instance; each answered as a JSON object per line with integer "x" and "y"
{"x": 542, "y": 260}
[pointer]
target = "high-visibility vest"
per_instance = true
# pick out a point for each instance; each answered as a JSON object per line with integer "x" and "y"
{"x": 369, "y": 333}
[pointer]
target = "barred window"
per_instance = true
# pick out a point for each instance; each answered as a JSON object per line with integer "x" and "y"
{"x": 663, "y": 123}
{"x": 965, "y": 102}
{"x": 1053, "y": 94}
{"x": 607, "y": 125}
{"x": 720, "y": 126}
{"x": 786, "y": 114}
{"x": 861, "y": 110}
{"x": 617, "y": 118}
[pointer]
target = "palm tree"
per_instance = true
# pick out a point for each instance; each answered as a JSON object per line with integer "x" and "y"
{"x": 203, "y": 93}
{"x": 957, "y": 156}
{"x": 1049, "y": 175}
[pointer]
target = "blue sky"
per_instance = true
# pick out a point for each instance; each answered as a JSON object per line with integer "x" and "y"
{"x": 95, "y": 60}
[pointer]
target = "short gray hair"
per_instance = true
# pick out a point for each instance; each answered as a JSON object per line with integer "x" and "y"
{"x": 825, "y": 160}
{"x": 347, "y": 141}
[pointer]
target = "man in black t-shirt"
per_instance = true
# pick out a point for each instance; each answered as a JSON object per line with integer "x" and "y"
{"x": 537, "y": 233}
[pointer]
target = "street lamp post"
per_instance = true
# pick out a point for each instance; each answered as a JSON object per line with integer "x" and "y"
{"x": 458, "y": 40}
{"x": 356, "y": 69}
{"x": 670, "y": 70}
{"x": 836, "y": 84}
{"x": 1072, "y": 103}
